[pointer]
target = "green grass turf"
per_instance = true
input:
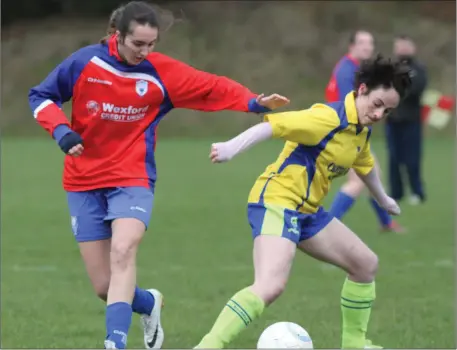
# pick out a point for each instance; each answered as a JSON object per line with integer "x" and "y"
{"x": 198, "y": 253}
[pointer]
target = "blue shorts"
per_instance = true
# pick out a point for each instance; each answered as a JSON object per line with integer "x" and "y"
{"x": 268, "y": 219}
{"x": 92, "y": 211}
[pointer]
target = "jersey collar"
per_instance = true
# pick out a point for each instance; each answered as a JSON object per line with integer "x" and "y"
{"x": 349, "y": 106}
{"x": 112, "y": 47}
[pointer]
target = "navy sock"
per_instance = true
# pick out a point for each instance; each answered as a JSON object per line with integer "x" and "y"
{"x": 341, "y": 204}
{"x": 118, "y": 320}
{"x": 143, "y": 302}
{"x": 383, "y": 216}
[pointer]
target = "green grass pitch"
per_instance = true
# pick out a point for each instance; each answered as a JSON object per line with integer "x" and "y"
{"x": 198, "y": 253}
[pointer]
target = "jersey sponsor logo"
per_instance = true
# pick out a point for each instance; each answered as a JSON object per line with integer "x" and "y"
{"x": 121, "y": 113}
{"x": 99, "y": 81}
{"x": 336, "y": 171}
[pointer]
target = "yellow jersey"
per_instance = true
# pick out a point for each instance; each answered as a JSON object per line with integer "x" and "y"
{"x": 322, "y": 143}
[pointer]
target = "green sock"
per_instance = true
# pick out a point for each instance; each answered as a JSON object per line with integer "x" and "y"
{"x": 356, "y": 300}
{"x": 243, "y": 308}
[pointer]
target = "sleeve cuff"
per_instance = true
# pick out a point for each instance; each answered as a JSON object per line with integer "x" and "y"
{"x": 60, "y": 131}
{"x": 254, "y": 107}
{"x": 275, "y": 124}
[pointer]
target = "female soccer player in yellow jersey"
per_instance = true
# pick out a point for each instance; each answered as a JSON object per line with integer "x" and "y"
{"x": 285, "y": 204}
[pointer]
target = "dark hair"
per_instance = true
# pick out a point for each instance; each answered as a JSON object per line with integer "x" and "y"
{"x": 135, "y": 11}
{"x": 384, "y": 72}
{"x": 403, "y": 37}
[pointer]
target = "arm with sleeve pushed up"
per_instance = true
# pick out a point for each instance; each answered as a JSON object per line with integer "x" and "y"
{"x": 194, "y": 89}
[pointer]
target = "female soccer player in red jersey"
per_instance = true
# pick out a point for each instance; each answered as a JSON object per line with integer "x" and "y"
{"x": 120, "y": 90}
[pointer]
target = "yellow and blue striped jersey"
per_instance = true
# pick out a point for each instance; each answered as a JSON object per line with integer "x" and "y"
{"x": 322, "y": 143}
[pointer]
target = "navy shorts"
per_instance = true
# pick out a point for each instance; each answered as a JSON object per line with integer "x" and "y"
{"x": 93, "y": 211}
{"x": 273, "y": 220}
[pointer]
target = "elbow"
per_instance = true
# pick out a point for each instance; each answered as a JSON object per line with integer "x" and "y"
{"x": 38, "y": 102}
{"x": 32, "y": 95}
{"x": 35, "y": 98}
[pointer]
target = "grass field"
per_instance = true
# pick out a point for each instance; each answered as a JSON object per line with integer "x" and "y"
{"x": 198, "y": 253}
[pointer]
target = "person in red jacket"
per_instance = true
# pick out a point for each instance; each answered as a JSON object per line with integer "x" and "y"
{"x": 361, "y": 47}
{"x": 120, "y": 91}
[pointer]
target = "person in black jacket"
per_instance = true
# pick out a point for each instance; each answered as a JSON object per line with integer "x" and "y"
{"x": 404, "y": 128}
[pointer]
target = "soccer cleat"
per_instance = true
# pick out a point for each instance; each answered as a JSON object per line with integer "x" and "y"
{"x": 110, "y": 344}
{"x": 394, "y": 227}
{"x": 153, "y": 331}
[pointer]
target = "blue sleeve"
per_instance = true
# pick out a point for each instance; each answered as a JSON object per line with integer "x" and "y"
{"x": 345, "y": 76}
{"x": 58, "y": 85}
{"x": 61, "y": 131}
{"x": 46, "y": 98}
{"x": 254, "y": 107}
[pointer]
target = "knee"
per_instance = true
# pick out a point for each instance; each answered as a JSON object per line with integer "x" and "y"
{"x": 122, "y": 255}
{"x": 127, "y": 235}
{"x": 364, "y": 267}
{"x": 269, "y": 289}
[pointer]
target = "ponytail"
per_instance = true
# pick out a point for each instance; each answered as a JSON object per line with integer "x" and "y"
{"x": 112, "y": 24}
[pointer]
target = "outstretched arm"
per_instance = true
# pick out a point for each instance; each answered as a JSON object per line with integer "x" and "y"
{"x": 307, "y": 127}
{"x": 191, "y": 88}
{"x": 225, "y": 151}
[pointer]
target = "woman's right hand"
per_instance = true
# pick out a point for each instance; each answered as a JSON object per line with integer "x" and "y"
{"x": 72, "y": 144}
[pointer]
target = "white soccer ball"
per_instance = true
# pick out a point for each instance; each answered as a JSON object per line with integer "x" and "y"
{"x": 285, "y": 335}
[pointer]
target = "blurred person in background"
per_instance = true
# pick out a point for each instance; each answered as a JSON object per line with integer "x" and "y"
{"x": 404, "y": 128}
{"x": 361, "y": 47}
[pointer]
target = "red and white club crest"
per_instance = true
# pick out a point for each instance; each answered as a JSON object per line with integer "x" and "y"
{"x": 92, "y": 108}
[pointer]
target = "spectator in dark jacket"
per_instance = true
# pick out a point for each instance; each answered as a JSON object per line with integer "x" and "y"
{"x": 404, "y": 128}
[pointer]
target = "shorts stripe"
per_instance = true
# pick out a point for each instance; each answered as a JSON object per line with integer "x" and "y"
{"x": 273, "y": 221}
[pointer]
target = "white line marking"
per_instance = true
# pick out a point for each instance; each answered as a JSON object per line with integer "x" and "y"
{"x": 38, "y": 268}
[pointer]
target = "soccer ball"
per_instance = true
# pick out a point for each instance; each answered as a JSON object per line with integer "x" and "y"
{"x": 285, "y": 335}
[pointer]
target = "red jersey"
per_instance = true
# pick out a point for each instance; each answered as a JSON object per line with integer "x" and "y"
{"x": 116, "y": 109}
{"x": 342, "y": 80}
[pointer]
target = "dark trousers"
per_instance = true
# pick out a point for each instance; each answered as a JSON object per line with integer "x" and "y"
{"x": 404, "y": 144}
